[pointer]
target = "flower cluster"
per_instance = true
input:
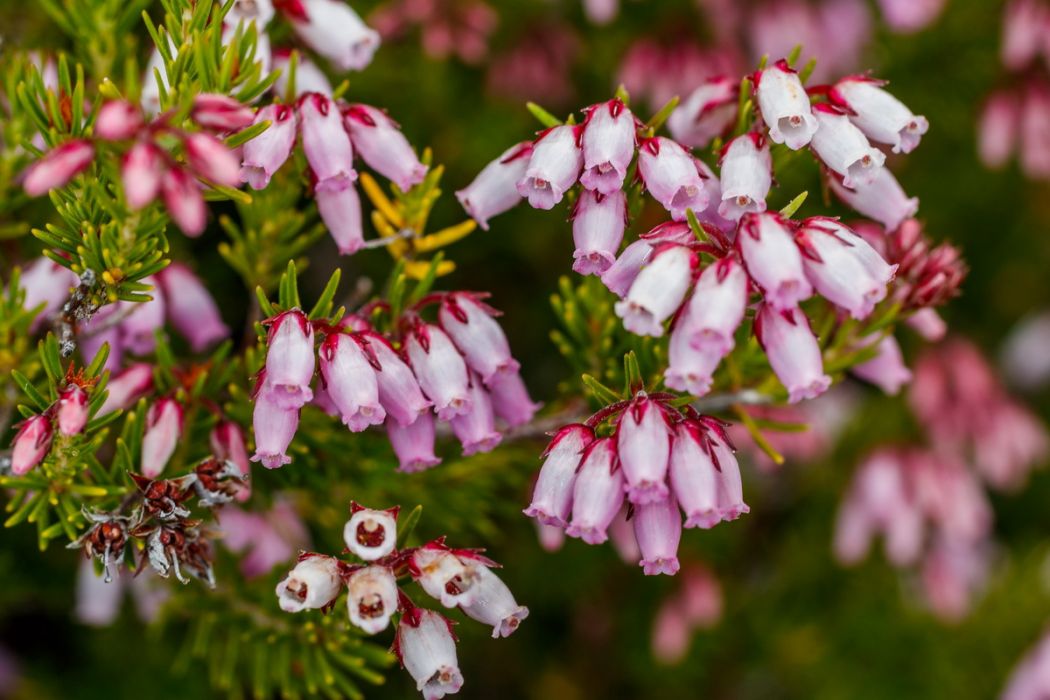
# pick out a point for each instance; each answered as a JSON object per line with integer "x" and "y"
{"x": 332, "y": 133}
{"x": 1013, "y": 120}
{"x": 424, "y": 640}
{"x": 458, "y": 370}
{"x": 657, "y": 463}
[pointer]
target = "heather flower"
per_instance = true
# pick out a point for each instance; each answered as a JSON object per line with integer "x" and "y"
{"x": 552, "y": 495}
{"x": 117, "y": 120}
{"x": 289, "y": 360}
{"x": 717, "y": 306}
{"x": 227, "y": 444}
{"x": 510, "y": 399}
{"x": 163, "y": 430}
{"x": 350, "y": 381}
{"x": 221, "y": 112}
{"x": 264, "y": 155}
{"x": 380, "y": 143}
{"x": 773, "y": 260}
{"x": 689, "y": 368}
{"x": 881, "y": 116}
{"x": 126, "y": 387}
{"x": 427, "y": 650}
{"x": 413, "y": 443}
{"x": 494, "y": 604}
{"x": 643, "y": 444}
{"x": 553, "y": 167}
{"x": 31, "y": 444}
{"x": 308, "y": 76}
{"x": 658, "y": 529}
{"x": 1035, "y": 132}
{"x": 138, "y": 331}
{"x": 477, "y": 335}
{"x": 476, "y": 430}
{"x": 335, "y": 31}
{"x": 910, "y": 15}
{"x": 887, "y": 369}
{"x": 325, "y": 142}
{"x": 843, "y": 267}
{"x": 58, "y": 166}
{"x": 72, "y": 410}
{"x": 598, "y": 223}
{"x": 657, "y": 291}
{"x": 450, "y": 576}
{"x": 792, "y": 351}
{"x": 495, "y": 189}
{"x": 210, "y": 158}
{"x": 785, "y": 106}
{"x": 597, "y": 493}
{"x": 440, "y": 369}
{"x": 183, "y": 200}
{"x": 997, "y": 129}
{"x": 313, "y": 583}
{"x": 695, "y": 479}
{"x": 371, "y": 598}
{"x": 370, "y": 534}
{"x": 142, "y": 172}
{"x": 340, "y": 211}
{"x": 671, "y": 176}
{"x": 399, "y": 392}
{"x": 608, "y": 146}
{"x": 747, "y": 174}
{"x": 844, "y": 148}
{"x": 882, "y": 199}
{"x": 274, "y": 428}
{"x": 706, "y": 113}
{"x": 190, "y": 307}
{"x": 619, "y": 276}
{"x": 46, "y": 283}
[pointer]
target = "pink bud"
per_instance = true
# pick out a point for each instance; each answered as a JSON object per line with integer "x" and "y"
{"x": 658, "y": 291}
{"x": 72, "y": 410}
{"x": 494, "y": 604}
{"x": 326, "y": 143}
{"x": 221, "y": 112}
{"x": 126, "y": 388}
{"x": 370, "y": 534}
{"x": 274, "y": 428}
{"x": 313, "y": 583}
{"x": 510, "y": 399}
{"x": 266, "y": 153}
{"x": 1035, "y": 155}
{"x": 413, "y": 444}
{"x": 46, "y": 283}
{"x": 211, "y": 159}
{"x": 476, "y": 429}
{"x": 191, "y": 308}
{"x": 163, "y": 429}
{"x": 290, "y": 359}
{"x": 658, "y": 529}
{"x": 495, "y": 189}
{"x": 227, "y": 444}
{"x": 643, "y": 442}
{"x": 335, "y": 31}
{"x": 844, "y": 148}
{"x": 477, "y": 335}
{"x": 671, "y": 176}
{"x": 597, "y": 493}
{"x": 882, "y": 200}
{"x": 427, "y": 650}
{"x": 399, "y": 392}
{"x": 553, "y": 167}
{"x": 118, "y": 120}
{"x": 695, "y": 479}
{"x": 141, "y": 173}
{"x": 58, "y": 166}
{"x": 785, "y": 106}
{"x": 551, "y": 538}
{"x": 608, "y": 146}
{"x": 619, "y": 276}
{"x": 350, "y": 380}
{"x": 706, "y": 113}
{"x": 689, "y": 369}
{"x": 773, "y": 260}
{"x": 843, "y": 267}
{"x": 881, "y": 116}
{"x": 792, "y": 351}
{"x": 717, "y": 306}
{"x": 887, "y": 369}
{"x": 184, "y": 201}
{"x": 341, "y": 212}
{"x": 378, "y": 140}
{"x": 747, "y": 174}
{"x": 928, "y": 324}
{"x": 910, "y": 15}
{"x": 552, "y": 495}
{"x": 31, "y": 444}
{"x": 1024, "y": 28}
{"x": 997, "y": 129}
{"x": 730, "y": 487}
{"x": 440, "y": 369}
{"x": 371, "y": 598}
{"x": 598, "y": 223}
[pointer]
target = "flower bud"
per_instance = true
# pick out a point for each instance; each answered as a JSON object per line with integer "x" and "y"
{"x": 117, "y": 120}
{"x": 126, "y": 388}
{"x": 495, "y": 189}
{"x": 31, "y": 444}
{"x": 552, "y": 495}
{"x": 221, "y": 112}
{"x": 844, "y": 148}
{"x": 378, "y": 140}
{"x": 658, "y": 291}
{"x": 399, "y": 392}
{"x": 910, "y": 15}
{"x": 274, "y": 428}
{"x": 413, "y": 443}
{"x": 350, "y": 381}
{"x": 476, "y": 429}
{"x": 440, "y": 369}
{"x": 313, "y": 583}
{"x": 689, "y": 369}
{"x": 598, "y": 223}
{"x": 190, "y": 307}
{"x": 326, "y": 143}
{"x": 792, "y": 351}
{"x": 747, "y": 175}
{"x": 211, "y": 159}
{"x": 706, "y": 113}
{"x": 694, "y": 478}
{"x": 371, "y": 598}
{"x": 340, "y": 211}
{"x": 290, "y": 359}
{"x": 510, "y": 399}
{"x": 658, "y": 529}
{"x": 553, "y": 167}
{"x": 643, "y": 442}
{"x": 335, "y": 31}
{"x": 997, "y": 129}
{"x": 163, "y": 429}
{"x": 597, "y": 494}
{"x": 227, "y": 444}
{"x": 619, "y": 276}
{"x": 887, "y": 369}
{"x": 717, "y": 306}
{"x": 773, "y": 260}
{"x": 494, "y": 604}
{"x": 58, "y": 166}
{"x": 264, "y": 155}
{"x": 477, "y": 335}
{"x": 370, "y": 534}
{"x": 785, "y": 106}
{"x": 881, "y": 116}
{"x": 72, "y": 410}
{"x": 608, "y": 146}
{"x": 141, "y": 173}
{"x": 671, "y": 175}
{"x": 184, "y": 201}
{"x": 882, "y": 200}
{"x": 427, "y": 650}
{"x": 843, "y": 267}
